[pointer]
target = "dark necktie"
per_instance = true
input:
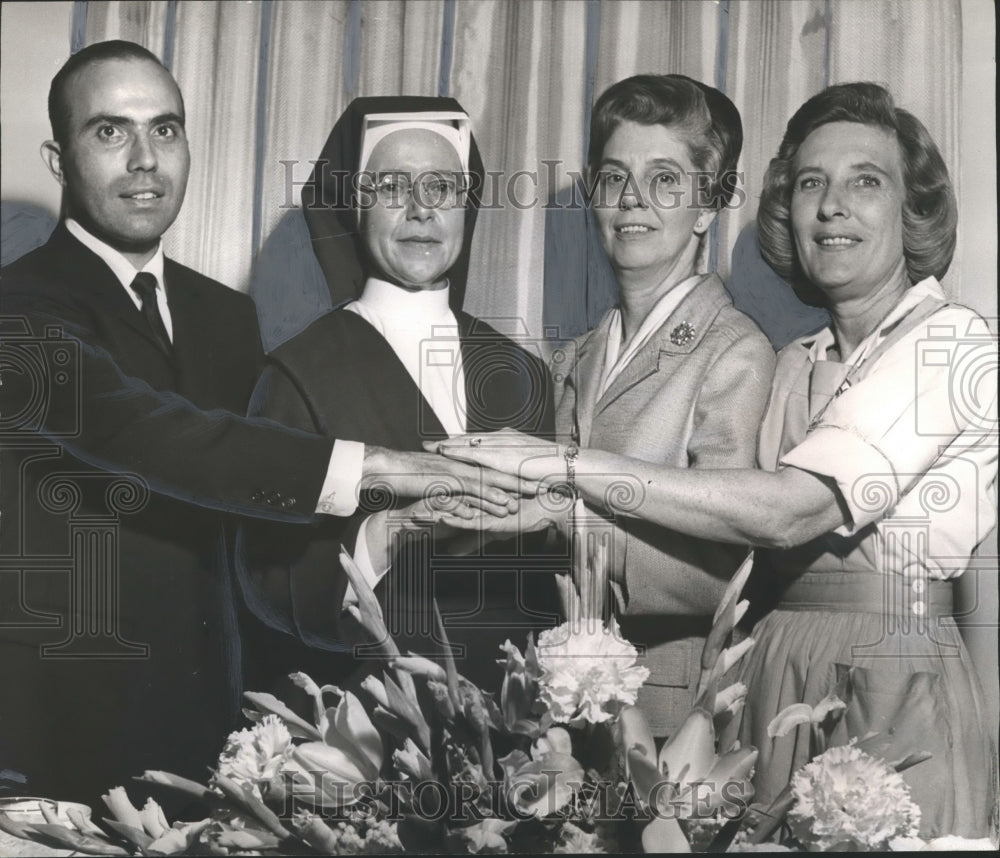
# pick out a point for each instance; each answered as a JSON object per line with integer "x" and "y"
{"x": 144, "y": 286}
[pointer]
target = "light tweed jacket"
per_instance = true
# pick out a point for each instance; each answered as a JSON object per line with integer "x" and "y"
{"x": 692, "y": 397}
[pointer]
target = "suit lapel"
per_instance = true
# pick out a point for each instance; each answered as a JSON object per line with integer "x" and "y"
{"x": 97, "y": 285}
{"x": 679, "y": 335}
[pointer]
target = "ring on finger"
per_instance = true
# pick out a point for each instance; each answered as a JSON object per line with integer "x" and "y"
{"x": 475, "y": 442}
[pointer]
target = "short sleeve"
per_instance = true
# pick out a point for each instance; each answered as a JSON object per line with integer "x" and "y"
{"x": 883, "y": 433}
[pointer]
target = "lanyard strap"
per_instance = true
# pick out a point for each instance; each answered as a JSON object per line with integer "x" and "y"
{"x": 923, "y": 311}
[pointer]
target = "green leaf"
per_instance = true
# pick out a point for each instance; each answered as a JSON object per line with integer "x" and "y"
{"x": 271, "y": 705}
{"x": 392, "y": 724}
{"x": 773, "y": 818}
{"x": 183, "y": 785}
{"x": 451, "y": 673}
{"x": 727, "y": 614}
{"x": 405, "y": 708}
{"x": 419, "y": 666}
{"x": 245, "y": 799}
{"x": 15, "y": 828}
{"x": 68, "y": 838}
{"x": 178, "y": 839}
{"x": 134, "y": 835}
{"x": 910, "y": 760}
{"x": 246, "y": 839}
{"x": 371, "y": 613}
{"x": 413, "y": 762}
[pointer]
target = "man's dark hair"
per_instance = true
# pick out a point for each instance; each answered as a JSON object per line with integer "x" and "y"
{"x": 116, "y": 49}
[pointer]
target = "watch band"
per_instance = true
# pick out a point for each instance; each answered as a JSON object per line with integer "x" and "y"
{"x": 570, "y": 455}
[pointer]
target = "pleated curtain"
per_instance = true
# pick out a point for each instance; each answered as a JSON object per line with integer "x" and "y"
{"x": 264, "y": 82}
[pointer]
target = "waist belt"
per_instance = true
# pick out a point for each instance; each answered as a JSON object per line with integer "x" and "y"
{"x": 859, "y": 592}
{"x": 653, "y": 630}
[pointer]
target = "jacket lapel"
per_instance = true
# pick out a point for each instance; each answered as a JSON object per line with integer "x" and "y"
{"x": 586, "y": 377}
{"x": 97, "y": 284}
{"x": 197, "y": 334}
{"x": 678, "y": 336}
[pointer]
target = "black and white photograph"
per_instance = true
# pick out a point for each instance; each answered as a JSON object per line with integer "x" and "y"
{"x": 498, "y": 426}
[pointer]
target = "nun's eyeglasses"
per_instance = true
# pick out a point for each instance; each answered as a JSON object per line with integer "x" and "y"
{"x": 428, "y": 190}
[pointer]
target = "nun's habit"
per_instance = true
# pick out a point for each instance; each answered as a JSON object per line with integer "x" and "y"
{"x": 342, "y": 377}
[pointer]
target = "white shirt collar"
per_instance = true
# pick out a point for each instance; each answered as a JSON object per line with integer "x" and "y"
{"x": 819, "y": 343}
{"x": 401, "y": 308}
{"x": 124, "y": 270}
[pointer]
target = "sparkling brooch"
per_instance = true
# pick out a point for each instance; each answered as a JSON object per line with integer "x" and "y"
{"x": 682, "y": 334}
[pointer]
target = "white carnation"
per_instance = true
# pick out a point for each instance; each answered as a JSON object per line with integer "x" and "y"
{"x": 588, "y": 672}
{"x": 255, "y": 756}
{"x": 848, "y": 799}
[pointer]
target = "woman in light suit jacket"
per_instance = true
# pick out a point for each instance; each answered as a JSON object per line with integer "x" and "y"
{"x": 675, "y": 375}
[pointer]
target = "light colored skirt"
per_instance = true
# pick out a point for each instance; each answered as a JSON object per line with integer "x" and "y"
{"x": 915, "y": 678}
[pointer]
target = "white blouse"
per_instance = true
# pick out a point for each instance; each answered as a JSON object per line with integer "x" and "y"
{"x": 912, "y": 445}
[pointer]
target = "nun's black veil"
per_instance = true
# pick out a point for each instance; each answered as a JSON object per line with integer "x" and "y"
{"x": 329, "y": 199}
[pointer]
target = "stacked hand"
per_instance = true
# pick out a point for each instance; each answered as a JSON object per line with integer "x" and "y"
{"x": 435, "y": 479}
{"x": 522, "y": 464}
{"x": 495, "y": 482}
{"x": 533, "y": 461}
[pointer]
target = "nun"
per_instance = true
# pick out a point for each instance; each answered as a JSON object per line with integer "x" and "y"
{"x": 391, "y": 210}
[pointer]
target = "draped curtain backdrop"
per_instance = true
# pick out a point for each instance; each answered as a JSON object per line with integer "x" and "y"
{"x": 265, "y": 80}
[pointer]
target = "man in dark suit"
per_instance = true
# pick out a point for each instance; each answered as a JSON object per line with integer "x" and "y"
{"x": 119, "y": 644}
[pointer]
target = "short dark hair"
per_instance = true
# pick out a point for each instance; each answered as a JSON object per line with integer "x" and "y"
{"x": 930, "y": 213}
{"x": 115, "y": 49}
{"x": 710, "y": 121}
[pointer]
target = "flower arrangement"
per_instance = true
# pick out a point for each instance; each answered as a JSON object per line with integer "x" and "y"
{"x": 420, "y": 759}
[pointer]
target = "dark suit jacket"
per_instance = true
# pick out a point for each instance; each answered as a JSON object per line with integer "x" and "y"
{"x": 149, "y": 673}
{"x": 341, "y": 378}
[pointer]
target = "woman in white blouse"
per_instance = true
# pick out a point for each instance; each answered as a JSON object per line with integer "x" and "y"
{"x": 879, "y": 455}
